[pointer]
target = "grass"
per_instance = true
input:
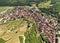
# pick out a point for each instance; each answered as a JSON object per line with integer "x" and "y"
{"x": 16, "y": 24}
{"x": 11, "y": 25}
{"x": 1, "y": 40}
{"x": 44, "y": 5}
{"x": 21, "y": 39}
{"x": 31, "y": 36}
{"x": 2, "y": 8}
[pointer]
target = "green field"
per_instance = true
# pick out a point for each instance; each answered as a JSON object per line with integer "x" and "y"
{"x": 2, "y": 8}
{"x": 1, "y": 40}
{"x": 21, "y": 39}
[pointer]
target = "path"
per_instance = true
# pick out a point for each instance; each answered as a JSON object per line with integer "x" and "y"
{"x": 58, "y": 39}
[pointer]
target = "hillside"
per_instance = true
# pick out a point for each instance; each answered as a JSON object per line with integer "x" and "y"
{"x": 27, "y": 25}
{"x": 29, "y": 21}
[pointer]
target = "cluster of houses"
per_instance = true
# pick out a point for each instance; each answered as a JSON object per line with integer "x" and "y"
{"x": 39, "y": 18}
{"x": 19, "y": 13}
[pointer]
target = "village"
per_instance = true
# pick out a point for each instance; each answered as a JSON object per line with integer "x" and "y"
{"x": 48, "y": 23}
